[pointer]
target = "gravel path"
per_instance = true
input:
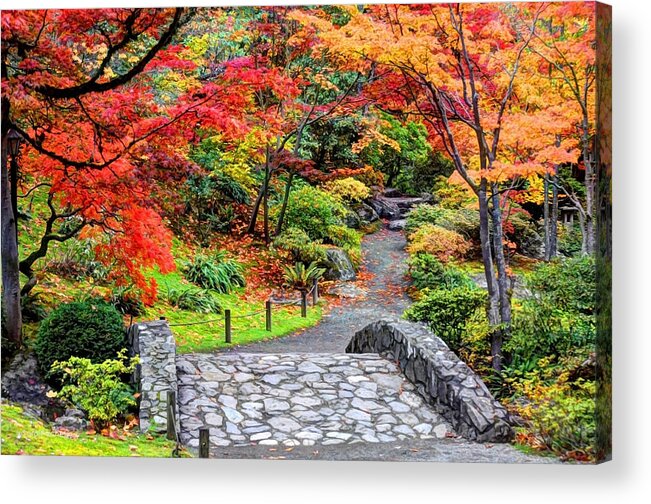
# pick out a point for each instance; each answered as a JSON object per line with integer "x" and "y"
{"x": 384, "y": 271}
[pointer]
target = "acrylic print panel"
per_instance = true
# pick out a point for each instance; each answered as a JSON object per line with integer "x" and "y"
{"x": 369, "y": 232}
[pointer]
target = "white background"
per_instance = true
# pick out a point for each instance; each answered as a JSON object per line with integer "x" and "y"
{"x": 627, "y": 479}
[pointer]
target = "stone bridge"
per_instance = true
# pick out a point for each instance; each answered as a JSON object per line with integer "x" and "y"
{"x": 397, "y": 382}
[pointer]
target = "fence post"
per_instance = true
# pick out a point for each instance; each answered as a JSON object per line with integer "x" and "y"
{"x": 204, "y": 443}
{"x": 315, "y": 292}
{"x": 303, "y": 304}
{"x": 268, "y": 314}
{"x": 227, "y": 325}
{"x": 171, "y": 415}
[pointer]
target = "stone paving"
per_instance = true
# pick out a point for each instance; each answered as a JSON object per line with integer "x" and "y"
{"x": 300, "y": 400}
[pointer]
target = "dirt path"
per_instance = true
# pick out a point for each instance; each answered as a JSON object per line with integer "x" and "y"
{"x": 382, "y": 279}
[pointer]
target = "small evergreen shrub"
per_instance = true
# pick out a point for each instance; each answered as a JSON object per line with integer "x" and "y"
{"x": 421, "y": 215}
{"x": 344, "y": 237}
{"x": 97, "y": 388}
{"x": 215, "y": 272}
{"x": 313, "y": 211}
{"x": 92, "y": 329}
{"x": 447, "y": 312}
{"x": 427, "y": 272}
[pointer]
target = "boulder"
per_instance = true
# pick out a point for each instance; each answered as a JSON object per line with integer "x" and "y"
{"x": 366, "y": 213}
{"x": 397, "y": 225}
{"x": 71, "y": 420}
{"x": 339, "y": 266}
{"x": 532, "y": 245}
{"x": 353, "y": 220}
{"x": 385, "y": 208}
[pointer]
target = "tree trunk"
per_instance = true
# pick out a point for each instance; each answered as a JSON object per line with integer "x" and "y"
{"x": 502, "y": 277}
{"x": 493, "y": 309}
{"x": 553, "y": 228}
{"x": 11, "y": 315}
{"x": 283, "y": 209}
{"x": 265, "y": 197}
{"x": 590, "y": 190}
{"x": 546, "y": 222}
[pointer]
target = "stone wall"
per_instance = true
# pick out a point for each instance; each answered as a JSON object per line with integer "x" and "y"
{"x": 156, "y": 374}
{"x": 439, "y": 376}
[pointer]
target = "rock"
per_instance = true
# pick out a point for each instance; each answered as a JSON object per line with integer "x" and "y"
{"x": 385, "y": 208}
{"x": 532, "y": 245}
{"x": 353, "y": 220}
{"x": 73, "y": 420}
{"x": 397, "y": 225}
{"x": 366, "y": 213}
{"x": 339, "y": 266}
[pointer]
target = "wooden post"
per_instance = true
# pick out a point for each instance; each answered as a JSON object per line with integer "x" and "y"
{"x": 303, "y": 304}
{"x": 171, "y": 415}
{"x": 227, "y": 325}
{"x": 268, "y": 315}
{"x": 315, "y": 292}
{"x": 204, "y": 443}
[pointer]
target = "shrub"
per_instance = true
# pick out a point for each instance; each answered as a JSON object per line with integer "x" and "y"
{"x": 313, "y": 211}
{"x": 370, "y": 177}
{"x": 558, "y": 319}
{"x": 569, "y": 240}
{"x": 126, "y": 301}
{"x": 464, "y": 221}
{"x": 344, "y": 237}
{"x": 421, "y": 215}
{"x": 96, "y": 388}
{"x": 196, "y": 300}
{"x": 348, "y": 190}
{"x": 427, "y": 272}
{"x": 439, "y": 242}
{"x": 451, "y": 195}
{"x": 75, "y": 259}
{"x": 301, "y": 277}
{"x": 215, "y": 272}
{"x": 560, "y": 416}
{"x": 447, "y": 312}
{"x": 298, "y": 244}
{"x": 92, "y": 330}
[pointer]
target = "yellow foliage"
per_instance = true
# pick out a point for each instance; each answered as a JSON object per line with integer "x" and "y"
{"x": 347, "y": 190}
{"x": 442, "y": 243}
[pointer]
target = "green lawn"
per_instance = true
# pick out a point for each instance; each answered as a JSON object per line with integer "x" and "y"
{"x": 24, "y": 435}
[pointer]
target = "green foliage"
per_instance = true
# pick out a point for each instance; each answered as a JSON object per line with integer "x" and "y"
{"x": 559, "y": 415}
{"x": 451, "y": 195}
{"x": 422, "y": 177}
{"x": 298, "y": 244}
{"x": 96, "y": 388}
{"x": 447, "y": 312}
{"x": 301, "y": 277}
{"x": 344, "y": 237}
{"x": 569, "y": 283}
{"x": 75, "y": 259}
{"x": 559, "y": 318}
{"x": 569, "y": 240}
{"x": 312, "y": 210}
{"x": 215, "y": 272}
{"x": 196, "y": 300}
{"x": 92, "y": 329}
{"x": 32, "y": 308}
{"x": 347, "y": 190}
{"x": 126, "y": 301}
{"x": 421, "y": 215}
{"x": 427, "y": 272}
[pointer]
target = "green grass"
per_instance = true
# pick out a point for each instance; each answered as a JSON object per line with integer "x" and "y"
{"x": 210, "y": 336}
{"x": 23, "y": 434}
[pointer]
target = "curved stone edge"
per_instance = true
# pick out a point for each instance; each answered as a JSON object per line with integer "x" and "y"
{"x": 156, "y": 373}
{"x": 440, "y": 377}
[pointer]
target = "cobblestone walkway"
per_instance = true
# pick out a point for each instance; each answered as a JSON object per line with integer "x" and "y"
{"x": 300, "y": 399}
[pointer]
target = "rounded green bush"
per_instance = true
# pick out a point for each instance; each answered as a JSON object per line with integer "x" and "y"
{"x": 90, "y": 329}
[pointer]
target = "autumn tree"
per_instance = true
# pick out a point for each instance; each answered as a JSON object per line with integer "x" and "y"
{"x": 459, "y": 69}
{"x": 76, "y": 85}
